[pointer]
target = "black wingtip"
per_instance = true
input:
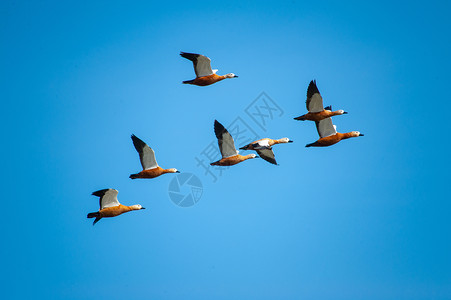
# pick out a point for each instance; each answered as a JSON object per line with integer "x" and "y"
{"x": 138, "y": 143}
{"x": 190, "y": 56}
{"x": 219, "y": 129}
{"x": 100, "y": 193}
{"x": 312, "y": 89}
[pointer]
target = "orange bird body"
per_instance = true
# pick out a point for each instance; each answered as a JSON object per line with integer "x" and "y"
{"x": 148, "y": 161}
{"x": 314, "y": 104}
{"x": 264, "y": 148}
{"x": 205, "y": 75}
{"x": 226, "y": 145}
{"x": 110, "y": 206}
{"x": 328, "y": 134}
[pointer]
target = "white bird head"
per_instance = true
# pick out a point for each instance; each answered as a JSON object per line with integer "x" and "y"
{"x": 230, "y": 75}
{"x": 285, "y": 140}
{"x": 137, "y": 207}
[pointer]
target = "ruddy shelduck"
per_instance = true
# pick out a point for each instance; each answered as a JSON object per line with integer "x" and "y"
{"x": 110, "y": 206}
{"x": 204, "y": 74}
{"x": 264, "y": 148}
{"x": 328, "y": 134}
{"x": 314, "y": 103}
{"x": 226, "y": 144}
{"x": 148, "y": 161}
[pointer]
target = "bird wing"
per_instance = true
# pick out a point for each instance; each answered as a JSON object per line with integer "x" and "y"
{"x": 314, "y": 100}
{"x": 268, "y": 155}
{"x": 261, "y": 144}
{"x": 325, "y": 127}
{"x": 202, "y": 64}
{"x": 108, "y": 198}
{"x": 225, "y": 141}
{"x": 146, "y": 154}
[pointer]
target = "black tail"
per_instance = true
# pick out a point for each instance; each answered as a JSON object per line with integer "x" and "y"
{"x": 301, "y": 118}
{"x": 311, "y": 145}
{"x": 244, "y": 147}
{"x": 95, "y": 215}
{"x": 133, "y": 176}
{"x": 188, "y": 81}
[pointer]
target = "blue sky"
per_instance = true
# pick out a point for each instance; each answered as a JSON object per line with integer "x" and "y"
{"x": 367, "y": 218}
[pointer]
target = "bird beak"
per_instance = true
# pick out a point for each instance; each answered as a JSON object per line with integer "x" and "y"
{"x": 236, "y": 76}
{"x": 177, "y": 171}
{"x": 361, "y": 134}
{"x": 257, "y": 157}
{"x": 345, "y": 113}
{"x": 290, "y": 141}
{"x": 143, "y": 208}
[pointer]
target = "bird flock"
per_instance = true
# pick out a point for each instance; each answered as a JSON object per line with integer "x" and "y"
{"x": 205, "y": 75}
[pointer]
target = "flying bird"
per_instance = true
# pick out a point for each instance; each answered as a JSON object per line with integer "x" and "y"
{"x": 314, "y": 103}
{"x": 328, "y": 134}
{"x": 110, "y": 206}
{"x": 204, "y": 74}
{"x": 264, "y": 148}
{"x": 148, "y": 161}
{"x": 226, "y": 144}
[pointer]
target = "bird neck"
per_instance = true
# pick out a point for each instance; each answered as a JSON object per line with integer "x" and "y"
{"x": 346, "y": 135}
{"x": 133, "y": 207}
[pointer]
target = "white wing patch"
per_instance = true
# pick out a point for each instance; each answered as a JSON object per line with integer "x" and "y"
{"x": 316, "y": 103}
{"x": 148, "y": 160}
{"x": 325, "y": 128}
{"x": 262, "y": 144}
{"x": 203, "y": 66}
{"x": 109, "y": 199}
{"x": 227, "y": 145}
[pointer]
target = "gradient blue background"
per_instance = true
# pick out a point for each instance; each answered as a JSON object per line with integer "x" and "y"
{"x": 365, "y": 219}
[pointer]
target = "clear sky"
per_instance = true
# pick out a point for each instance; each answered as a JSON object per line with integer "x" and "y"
{"x": 367, "y": 218}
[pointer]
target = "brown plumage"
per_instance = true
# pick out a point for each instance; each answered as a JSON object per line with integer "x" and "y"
{"x": 329, "y": 135}
{"x": 152, "y": 173}
{"x": 314, "y": 104}
{"x": 206, "y": 80}
{"x": 226, "y": 145}
{"x": 264, "y": 148}
{"x": 110, "y": 206}
{"x": 148, "y": 161}
{"x": 258, "y": 144}
{"x": 204, "y": 74}
{"x": 232, "y": 160}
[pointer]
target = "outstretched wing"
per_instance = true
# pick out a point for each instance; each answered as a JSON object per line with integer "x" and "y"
{"x": 225, "y": 141}
{"x": 108, "y": 198}
{"x": 268, "y": 155}
{"x": 202, "y": 64}
{"x": 146, "y": 154}
{"x": 325, "y": 127}
{"x": 314, "y": 100}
